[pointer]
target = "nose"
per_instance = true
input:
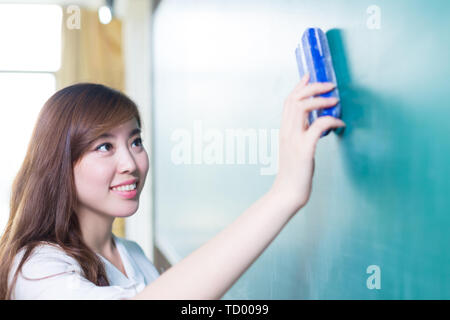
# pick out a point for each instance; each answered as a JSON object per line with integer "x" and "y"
{"x": 126, "y": 162}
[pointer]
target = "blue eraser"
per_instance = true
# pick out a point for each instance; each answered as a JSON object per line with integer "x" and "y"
{"x": 313, "y": 57}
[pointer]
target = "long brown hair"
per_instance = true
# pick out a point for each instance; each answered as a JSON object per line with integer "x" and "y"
{"x": 43, "y": 199}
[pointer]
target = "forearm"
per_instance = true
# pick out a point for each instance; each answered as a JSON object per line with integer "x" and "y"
{"x": 213, "y": 268}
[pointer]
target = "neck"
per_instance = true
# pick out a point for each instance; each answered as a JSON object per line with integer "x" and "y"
{"x": 96, "y": 230}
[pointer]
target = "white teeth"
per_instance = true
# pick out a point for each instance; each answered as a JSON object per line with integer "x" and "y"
{"x": 125, "y": 188}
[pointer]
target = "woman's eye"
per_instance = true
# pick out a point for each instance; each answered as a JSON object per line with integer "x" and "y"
{"x": 104, "y": 144}
{"x": 108, "y": 145}
{"x": 139, "y": 141}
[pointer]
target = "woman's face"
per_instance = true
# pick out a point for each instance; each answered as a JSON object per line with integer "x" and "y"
{"x": 110, "y": 161}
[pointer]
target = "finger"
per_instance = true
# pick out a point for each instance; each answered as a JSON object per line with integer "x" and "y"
{"x": 305, "y": 124}
{"x": 314, "y": 89}
{"x": 305, "y": 79}
{"x": 290, "y": 114}
{"x": 322, "y": 124}
{"x": 303, "y": 82}
{"x": 304, "y": 107}
{"x": 318, "y": 103}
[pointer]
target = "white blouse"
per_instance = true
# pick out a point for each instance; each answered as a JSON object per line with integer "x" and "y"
{"x": 63, "y": 277}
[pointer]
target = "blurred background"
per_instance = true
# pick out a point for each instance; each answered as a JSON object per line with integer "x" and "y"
{"x": 210, "y": 78}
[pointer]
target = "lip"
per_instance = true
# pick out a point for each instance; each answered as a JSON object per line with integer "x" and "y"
{"x": 126, "y": 194}
{"x": 131, "y": 181}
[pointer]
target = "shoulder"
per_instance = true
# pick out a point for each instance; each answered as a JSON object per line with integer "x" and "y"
{"x": 43, "y": 252}
{"x": 45, "y": 263}
{"x": 50, "y": 273}
{"x": 45, "y": 259}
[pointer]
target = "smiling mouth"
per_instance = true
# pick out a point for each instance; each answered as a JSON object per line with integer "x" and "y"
{"x": 124, "y": 188}
{"x": 126, "y": 192}
{"x": 130, "y": 186}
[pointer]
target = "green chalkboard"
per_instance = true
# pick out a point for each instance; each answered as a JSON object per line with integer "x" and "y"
{"x": 377, "y": 223}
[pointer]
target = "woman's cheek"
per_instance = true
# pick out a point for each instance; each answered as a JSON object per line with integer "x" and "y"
{"x": 146, "y": 163}
{"x": 95, "y": 175}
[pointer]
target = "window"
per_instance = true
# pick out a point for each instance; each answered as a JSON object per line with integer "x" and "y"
{"x": 30, "y": 54}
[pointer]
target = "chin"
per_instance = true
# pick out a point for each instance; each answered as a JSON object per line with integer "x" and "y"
{"x": 125, "y": 215}
{"x": 125, "y": 212}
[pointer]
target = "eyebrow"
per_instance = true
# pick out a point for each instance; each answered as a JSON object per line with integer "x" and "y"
{"x": 110, "y": 135}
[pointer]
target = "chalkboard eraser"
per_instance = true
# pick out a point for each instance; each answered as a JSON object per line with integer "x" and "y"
{"x": 314, "y": 57}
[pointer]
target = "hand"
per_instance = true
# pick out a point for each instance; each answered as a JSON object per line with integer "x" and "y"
{"x": 298, "y": 140}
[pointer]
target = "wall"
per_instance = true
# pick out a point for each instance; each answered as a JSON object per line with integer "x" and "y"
{"x": 380, "y": 191}
{"x": 137, "y": 21}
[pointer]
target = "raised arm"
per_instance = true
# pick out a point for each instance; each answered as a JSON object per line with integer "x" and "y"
{"x": 212, "y": 269}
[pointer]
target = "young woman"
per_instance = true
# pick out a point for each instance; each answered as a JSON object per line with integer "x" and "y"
{"x": 58, "y": 242}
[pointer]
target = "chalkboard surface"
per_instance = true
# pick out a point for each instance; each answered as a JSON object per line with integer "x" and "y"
{"x": 377, "y": 223}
